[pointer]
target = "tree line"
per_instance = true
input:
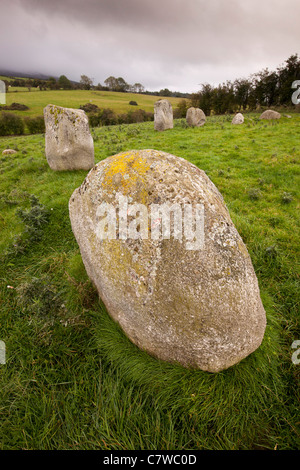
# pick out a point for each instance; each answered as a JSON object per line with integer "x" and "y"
{"x": 264, "y": 88}
{"x": 85, "y": 83}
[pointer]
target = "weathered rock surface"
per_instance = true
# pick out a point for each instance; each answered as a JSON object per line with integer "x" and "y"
{"x": 197, "y": 307}
{"x": 68, "y": 141}
{"x": 195, "y": 117}
{"x": 163, "y": 115}
{"x": 270, "y": 114}
{"x": 238, "y": 119}
{"x": 9, "y": 152}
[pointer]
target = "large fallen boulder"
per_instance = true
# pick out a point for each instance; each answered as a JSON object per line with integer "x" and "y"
{"x": 68, "y": 141}
{"x": 158, "y": 242}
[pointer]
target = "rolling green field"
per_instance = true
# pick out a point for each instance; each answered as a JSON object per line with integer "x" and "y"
{"x": 119, "y": 102}
{"x": 72, "y": 380}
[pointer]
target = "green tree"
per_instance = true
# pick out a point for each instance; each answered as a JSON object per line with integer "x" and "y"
{"x": 181, "y": 109}
{"x": 122, "y": 85}
{"x": 203, "y": 99}
{"x": 242, "y": 92}
{"x": 138, "y": 88}
{"x": 111, "y": 82}
{"x": 266, "y": 88}
{"x": 52, "y": 83}
{"x": 28, "y": 84}
{"x": 165, "y": 92}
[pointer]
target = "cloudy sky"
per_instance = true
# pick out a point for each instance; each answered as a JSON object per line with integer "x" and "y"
{"x": 175, "y": 44}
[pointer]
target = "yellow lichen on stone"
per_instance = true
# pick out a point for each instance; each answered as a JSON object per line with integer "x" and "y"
{"x": 119, "y": 264}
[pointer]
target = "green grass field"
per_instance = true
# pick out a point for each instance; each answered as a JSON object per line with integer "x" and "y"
{"x": 119, "y": 102}
{"x": 72, "y": 380}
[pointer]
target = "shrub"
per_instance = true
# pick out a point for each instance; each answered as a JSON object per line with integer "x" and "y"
{"x": 181, "y": 109}
{"x": 10, "y": 124}
{"x": 107, "y": 117}
{"x": 94, "y": 120}
{"x": 136, "y": 116}
{"x": 140, "y": 115}
{"x": 35, "y": 125}
{"x": 15, "y": 107}
{"x": 133, "y": 103}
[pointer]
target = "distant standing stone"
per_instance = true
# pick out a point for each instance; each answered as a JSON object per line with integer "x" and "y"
{"x": 270, "y": 114}
{"x": 238, "y": 119}
{"x": 195, "y": 117}
{"x": 163, "y": 115}
{"x": 8, "y": 152}
{"x": 68, "y": 141}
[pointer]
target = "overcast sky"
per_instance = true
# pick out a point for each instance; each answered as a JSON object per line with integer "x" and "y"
{"x": 175, "y": 44}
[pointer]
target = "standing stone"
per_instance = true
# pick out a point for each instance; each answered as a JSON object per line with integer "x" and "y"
{"x": 270, "y": 114}
{"x": 163, "y": 115}
{"x": 238, "y": 119}
{"x": 69, "y": 144}
{"x": 195, "y": 117}
{"x": 196, "y": 303}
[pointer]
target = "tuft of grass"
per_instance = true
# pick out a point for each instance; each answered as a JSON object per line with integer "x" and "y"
{"x": 33, "y": 219}
{"x": 227, "y": 410}
{"x": 38, "y": 296}
{"x": 286, "y": 198}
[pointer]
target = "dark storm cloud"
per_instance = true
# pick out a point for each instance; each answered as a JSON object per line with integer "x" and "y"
{"x": 160, "y": 43}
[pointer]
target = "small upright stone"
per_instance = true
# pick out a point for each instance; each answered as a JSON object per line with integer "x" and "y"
{"x": 270, "y": 114}
{"x": 163, "y": 115}
{"x": 195, "y": 117}
{"x": 238, "y": 119}
{"x": 8, "y": 152}
{"x": 68, "y": 141}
